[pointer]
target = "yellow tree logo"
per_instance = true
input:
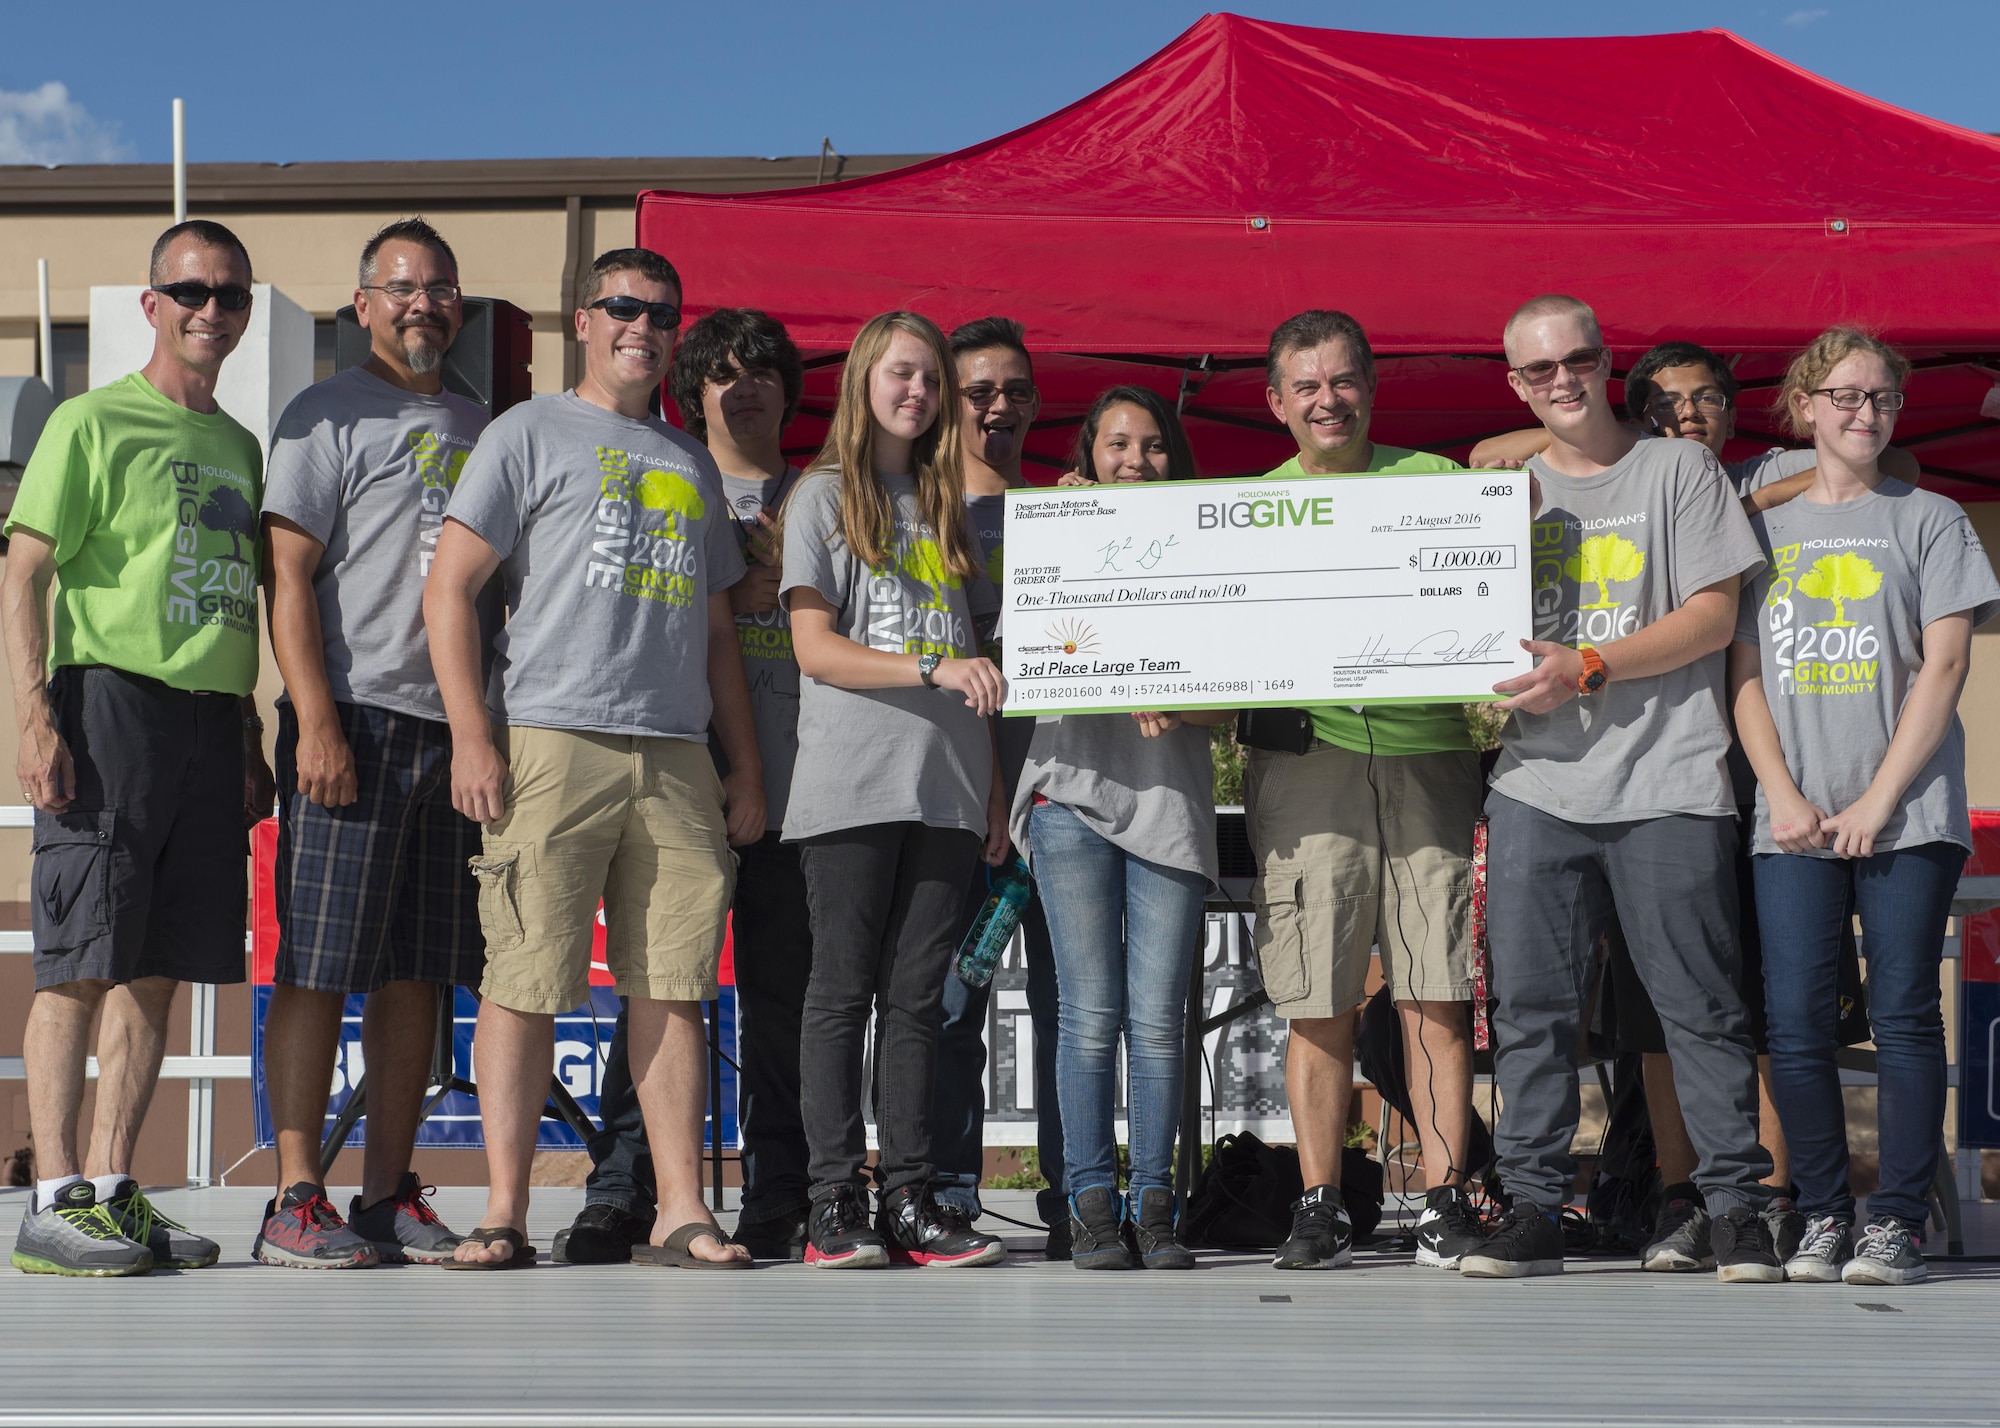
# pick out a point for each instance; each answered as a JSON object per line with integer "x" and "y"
{"x": 924, "y": 563}
{"x": 1838, "y": 579}
{"x": 674, "y": 494}
{"x": 1600, "y": 561}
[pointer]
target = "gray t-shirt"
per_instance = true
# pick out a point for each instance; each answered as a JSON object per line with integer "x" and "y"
{"x": 1839, "y": 616}
{"x": 612, "y": 535}
{"x": 989, "y": 528}
{"x": 366, "y": 468}
{"x": 1610, "y": 554}
{"x": 1151, "y": 798}
{"x": 766, "y": 641}
{"x": 870, "y": 756}
{"x": 1754, "y": 473}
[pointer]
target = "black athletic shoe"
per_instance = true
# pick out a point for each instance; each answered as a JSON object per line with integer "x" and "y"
{"x": 1096, "y": 1236}
{"x": 1682, "y": 1237}
{"x": 1058, "y": 1247}
{"x": 601, "y": 1234}
{"x": 839, "y": 1235}
{"x": 1151, "y": 1232}
{"x": 775, "y": 1236}
{"x": 1788, "y": 1226}
{"x": 1741, "y": 1242}
{"x": 1526, "y": 1242}
{"x": 1615, "y": 1222}
{"x": 919, "y": 1231}
{"x": 1449, "y": 1228}
{"x": 1321, "y": 1236}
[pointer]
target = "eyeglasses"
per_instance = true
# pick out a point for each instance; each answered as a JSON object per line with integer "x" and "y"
{"x": 1849, "y": 399}
{"x": 230, "y": 297}
{"x": 665, "y": 315}
{"x": 1583, "y": 361}
{"x": 403, "y": 294}
{"x": 1670, "y": 403}
{"x": 1016, "y": 394}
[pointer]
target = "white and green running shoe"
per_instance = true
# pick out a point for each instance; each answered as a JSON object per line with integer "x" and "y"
{"x": 173, "y": 1244}
{"x": 75, "y": 1235}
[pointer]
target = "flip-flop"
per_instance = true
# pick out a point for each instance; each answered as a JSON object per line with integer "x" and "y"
{"x": 522, "y": 1258}
{"x": 675, "y": 1254}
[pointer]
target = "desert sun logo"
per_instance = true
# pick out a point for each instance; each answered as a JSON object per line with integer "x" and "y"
{"x": 1073, "y": 636}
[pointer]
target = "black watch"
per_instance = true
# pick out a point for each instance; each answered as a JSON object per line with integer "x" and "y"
{"x": 927, "y": 666}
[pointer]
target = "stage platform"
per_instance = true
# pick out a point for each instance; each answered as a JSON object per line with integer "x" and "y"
{"x": 1027, "y": 1343}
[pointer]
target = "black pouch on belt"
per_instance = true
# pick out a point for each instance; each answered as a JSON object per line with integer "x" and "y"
{"x": 1277, "y": 731}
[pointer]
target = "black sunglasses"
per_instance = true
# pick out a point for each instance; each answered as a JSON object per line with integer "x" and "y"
{"x": 665, "y": 315}
{"x": 230, "y": 297}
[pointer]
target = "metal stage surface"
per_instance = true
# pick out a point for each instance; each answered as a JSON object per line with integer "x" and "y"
{"x": 1025, "y": 1343}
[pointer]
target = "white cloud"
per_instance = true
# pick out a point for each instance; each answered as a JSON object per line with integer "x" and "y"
{"x": 46, "y": 126}
{"x": 1799, "y": 19}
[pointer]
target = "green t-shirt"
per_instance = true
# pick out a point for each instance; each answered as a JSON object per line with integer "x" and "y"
{"x": 153, "y": 512}
{"x": 1389, "y": 728}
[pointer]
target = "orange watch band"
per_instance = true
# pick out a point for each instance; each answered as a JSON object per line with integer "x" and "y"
{"x": 1595, "y": 675}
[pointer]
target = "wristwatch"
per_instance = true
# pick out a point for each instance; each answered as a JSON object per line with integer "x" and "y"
{"x": 927, "y": 666}
{"x": 1595, "y": 675}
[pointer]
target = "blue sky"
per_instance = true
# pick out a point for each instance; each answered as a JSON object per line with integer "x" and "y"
{"x": 285, "y": 82}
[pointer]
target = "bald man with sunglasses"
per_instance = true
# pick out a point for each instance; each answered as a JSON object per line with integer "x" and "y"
{"x": 140, "y": 746}
{"x": 1612, "y": 798}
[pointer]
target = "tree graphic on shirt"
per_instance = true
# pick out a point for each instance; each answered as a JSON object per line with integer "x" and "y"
{"x": 673, "y": 493}
{"x": 228, "y": 513}
{"x": 923, "y": 562}
{"x": 1601, "y": 560}
{"x": 1838, "y": 579}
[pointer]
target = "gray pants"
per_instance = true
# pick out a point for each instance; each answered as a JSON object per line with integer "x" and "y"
{"x": 1552, "y": 889}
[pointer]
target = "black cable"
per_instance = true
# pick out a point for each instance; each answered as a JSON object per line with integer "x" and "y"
{"x": 1453, "y": 1170}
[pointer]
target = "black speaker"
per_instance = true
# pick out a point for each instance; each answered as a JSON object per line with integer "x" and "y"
{"x": 488, "y": 363}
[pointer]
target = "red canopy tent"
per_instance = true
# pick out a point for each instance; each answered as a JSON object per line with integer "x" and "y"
{"x": 1688, "y": 186}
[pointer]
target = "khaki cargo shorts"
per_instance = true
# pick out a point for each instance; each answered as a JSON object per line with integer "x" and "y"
{"x": 635, "y": 821}
{"x": 1353, "y": 854}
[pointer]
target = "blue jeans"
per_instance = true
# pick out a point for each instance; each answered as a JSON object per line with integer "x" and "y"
{"x": 1126, "y": 932}
{"x": 958, "y": 1100}
{"x": 1903, "y": 898}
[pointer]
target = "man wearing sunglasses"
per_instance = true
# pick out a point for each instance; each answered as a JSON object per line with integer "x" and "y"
{"x": 373, "y": 894}
{"x": 142, "y": 753}
{"x": 1612, "y": 795}
{"x": 998, "y": 403}
{"x": 584, "y": 753}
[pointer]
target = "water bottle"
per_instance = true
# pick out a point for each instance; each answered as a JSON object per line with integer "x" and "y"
{"x": 994, "y": 928}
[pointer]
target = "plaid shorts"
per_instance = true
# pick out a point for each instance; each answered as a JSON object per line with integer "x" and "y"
{"x": 379, "y": 890}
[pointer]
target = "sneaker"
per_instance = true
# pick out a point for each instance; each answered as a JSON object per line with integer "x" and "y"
{"x": 919, "y": 1231}
{"x": 304, "y": 1231}
{"x": 1826, "y": 1245}
{"x": 75, "y": 1235}
{"x": 601, "y": 1234}
{"x": 1741, "y": 1241}
{"x": 173, "y": 1244}
{"x": 1448, "y": 1229}
{"x": 1887, "y": 1254}
{"x": 1061, "y": 1242}
{"x": 1096, "y": 1237}
{"x": 1321, "y": 1236}
{"x": 403, "y": 1228}
{"x": 1788, "y": 1226}
{"x": 1680, "y": 1242}
{"x": 781, "y": 1236}
{"x": 1612, "y": 1208}
{"x": 838, "y": 1235}
{"x": 1151, "y": 1235}
{"x": 1526, "y": 1242}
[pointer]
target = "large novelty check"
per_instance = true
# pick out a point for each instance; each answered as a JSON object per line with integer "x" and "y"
{"x": 1218, "y": 594}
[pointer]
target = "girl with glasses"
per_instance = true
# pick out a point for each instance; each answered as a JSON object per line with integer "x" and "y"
{"x": 1851, "y": 651}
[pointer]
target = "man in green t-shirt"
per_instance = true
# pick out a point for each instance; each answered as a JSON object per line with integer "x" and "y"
{"x": 141, "y": 752}
{"x": 1364, "y": 840}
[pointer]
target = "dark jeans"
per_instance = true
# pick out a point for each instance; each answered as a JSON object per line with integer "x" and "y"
{"x": 958, "y": 1102}
{"x": 885, "y": 905}
{"x": 772, "y": 940}
{"x": 1903, "y": 898}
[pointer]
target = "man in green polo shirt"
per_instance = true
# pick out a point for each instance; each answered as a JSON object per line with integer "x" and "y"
{"x": 1364, "y": 840}
{"x": 141, "y": 751}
